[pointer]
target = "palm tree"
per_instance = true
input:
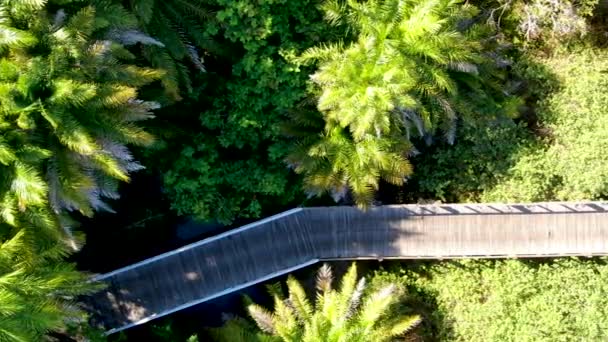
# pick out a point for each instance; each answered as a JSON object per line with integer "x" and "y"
{"x": 407, "y": 67}
{"x": 349, "y": 314}
{"x": 37, "y": 292}
{"x": 177, "y": 25}
{"x": 347, "y": 167}
{"x": 411, "y": 71}
{"x": 69, "y": 107}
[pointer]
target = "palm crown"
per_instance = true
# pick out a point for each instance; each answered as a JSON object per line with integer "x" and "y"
{"x": 404, "y": 69}
{"x": 334, "y": 161}
{"x": 68, "y": 108}
{"x": 38, "y": 293}
{"x": 348, "y": 314}
{"x": 412, "y": 69}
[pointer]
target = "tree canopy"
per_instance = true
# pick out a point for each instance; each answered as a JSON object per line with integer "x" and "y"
{"x": 413, "y": 69}
{"x": 231, "y": 163}
{"x": 68, "y": 107}
{"x": 263, "y": 105}
{"x": 349, "y": 314}
{"x": 38, "y": 292}
{"x": 176, "y": 40}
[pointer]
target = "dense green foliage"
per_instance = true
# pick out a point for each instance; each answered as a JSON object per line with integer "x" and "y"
{"x": 232, "y": 163}
{"x": 504, "y": 162}
{"x": 37, "y": 292}
{"x": 175, "y": 37}
{"x": 415, "y": 68}
{"x": 269, "y": 101}
{"x": 569, "y": 164}
{"x": 511, "y": 300}
{"x": 465, "y": 171}
{"x": 231, "y": 160}
{"x": 68, "y": 106}
{"x": 548, "y": 23}
{"x": 351, "y": 313}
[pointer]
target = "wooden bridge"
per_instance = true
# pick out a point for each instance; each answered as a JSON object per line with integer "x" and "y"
{"x": 300, "y": 237}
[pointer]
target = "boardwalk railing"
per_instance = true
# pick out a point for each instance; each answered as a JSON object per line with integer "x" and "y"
{"x": 300, "y": 237}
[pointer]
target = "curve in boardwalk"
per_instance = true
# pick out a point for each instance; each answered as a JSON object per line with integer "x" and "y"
{"x": 300, "y": 237}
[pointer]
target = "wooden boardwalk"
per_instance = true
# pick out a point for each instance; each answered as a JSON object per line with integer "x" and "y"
{"x": 300, "y": 237}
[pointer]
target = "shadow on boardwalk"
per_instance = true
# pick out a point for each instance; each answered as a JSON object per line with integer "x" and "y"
{"x": 286, "y": 242}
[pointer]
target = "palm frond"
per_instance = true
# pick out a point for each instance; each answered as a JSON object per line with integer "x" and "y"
{"x": 297, "y": 298}
{"x": 324, "y": 278}
{"x": 262, "y": 317}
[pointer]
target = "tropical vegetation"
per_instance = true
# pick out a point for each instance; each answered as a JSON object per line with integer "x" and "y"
{"x": 262, "y": 105}
{"x": 68, "y": 108}
{"x": 414, "y": 69}
{"x": 175, "y": 40}
{"x": 507, "y": 300}
{"x": 557, "y": 160}
{"x": 351, "y": 313}
{"x": 38, "y": 292}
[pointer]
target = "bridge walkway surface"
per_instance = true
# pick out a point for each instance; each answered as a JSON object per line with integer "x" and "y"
{"x": 300, "y": 237}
